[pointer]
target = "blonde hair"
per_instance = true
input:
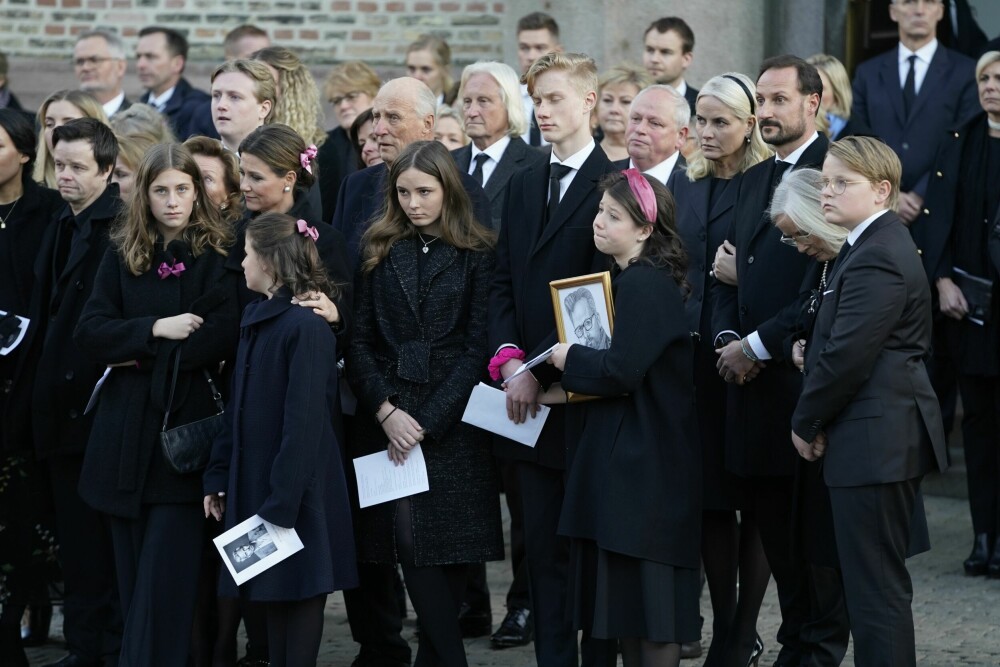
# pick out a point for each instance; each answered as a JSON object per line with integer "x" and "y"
{"x": 625, "y": 73}
{"x": 840, "y": 84}
{"x": 510, "y": 92}
{"x": 264, "y": 86}
{"x": 873, "y": 160}
{"x": 144, "y": 119}
{"x": 134, "y": 145}
{"x": 441, "y": 53}
{"x": 135, "y": 231}
{"x": 797, "y": 198}
{"x": 45, "y": 166}
{"x": 581, "y": 68}
{"x": 985, "y": 61}
{"x": 349, "y": 77}
{"x": 735, "y": 98}
{"x": 298, "y": 104}
{"x": 445, "y": 111}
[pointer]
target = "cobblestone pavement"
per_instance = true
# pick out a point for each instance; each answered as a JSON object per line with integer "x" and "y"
{"x": 957, "y": 618}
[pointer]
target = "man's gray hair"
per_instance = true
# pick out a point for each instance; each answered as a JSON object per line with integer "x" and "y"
{"x": 681, "y": 110}
{"x": 116, "y": 47}
{"x": 510, "y": 92}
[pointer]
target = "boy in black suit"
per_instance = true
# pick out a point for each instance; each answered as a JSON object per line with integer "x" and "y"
{"x": 546, "y": 235}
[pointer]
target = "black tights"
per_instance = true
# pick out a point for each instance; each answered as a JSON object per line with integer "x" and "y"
{"x": 294, "y": 631}
{"x": 436, "y": 593}
{"x": 644, "y": 653}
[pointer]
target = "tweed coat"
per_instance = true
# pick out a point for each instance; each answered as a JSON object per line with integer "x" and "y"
{"x": 420, "y": 340}
{"x": 124, "y": 466}
{"x": 279, "y": 455}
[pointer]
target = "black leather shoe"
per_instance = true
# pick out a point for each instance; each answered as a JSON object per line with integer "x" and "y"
{"x": 690, "y": 650}
{"x": 515, "y": 630}
{"x": 73, "y": 660}
{"x": 474, "y": 623}
{"x": 977, "y": 562}
{"x": 993, "y": 569}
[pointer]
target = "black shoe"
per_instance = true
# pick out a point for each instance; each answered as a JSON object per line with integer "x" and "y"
{"x": 474, "y": 624}
{"x": 690, "y": 650}
{"x": 73, "y": 660}
{"x": 977, "y": 562}
{"x": 993, "y": 569}
{"x": 515, "y": 630}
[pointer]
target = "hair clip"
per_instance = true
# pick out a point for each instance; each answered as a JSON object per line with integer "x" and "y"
{"x": 306, "y": 230}
{"x": 307, "y": 156}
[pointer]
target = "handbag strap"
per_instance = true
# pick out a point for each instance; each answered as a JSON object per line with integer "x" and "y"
{"x": 216, "y": 395}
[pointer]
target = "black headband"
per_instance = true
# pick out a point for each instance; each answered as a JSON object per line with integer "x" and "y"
{"x": 753, "y": 104}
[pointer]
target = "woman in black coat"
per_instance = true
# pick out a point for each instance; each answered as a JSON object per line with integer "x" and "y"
{"x": 164, "y": 294}
{"x": 419, "y": 349}
{"x": 961, "y": 208}
{"x": 26, "y": 210}
{"x": 735, "y": 566}
{"x": 279, "y": 455}
{"x": 633, "y": 490}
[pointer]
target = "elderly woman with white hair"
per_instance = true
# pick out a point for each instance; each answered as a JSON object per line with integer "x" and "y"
{"x": 958, "y": 224}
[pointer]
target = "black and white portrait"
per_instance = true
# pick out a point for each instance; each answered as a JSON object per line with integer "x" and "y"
{"x": 585, "y": 316}
{"x": 250, "y": 548}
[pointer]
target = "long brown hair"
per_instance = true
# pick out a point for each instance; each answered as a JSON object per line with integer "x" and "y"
{"x": 135, "y": 233}
{"x": 459, "y": 227}
{"x": 290, "y": 256}
{"x": 664, "y": 248}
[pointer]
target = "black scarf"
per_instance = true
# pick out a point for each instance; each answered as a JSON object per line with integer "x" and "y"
{"x": 970, "y": 232}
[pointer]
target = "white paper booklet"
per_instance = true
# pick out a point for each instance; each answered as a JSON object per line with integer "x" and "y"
{"x": 380, "y": 480}
{"x": 487, "y": 409}
{"x": 254, "y": 546}
{"x": 8, "y": 344}
{"x": 528, "y": 365}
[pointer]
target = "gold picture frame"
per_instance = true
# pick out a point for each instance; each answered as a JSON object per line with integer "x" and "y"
{"x": 585, "y": 313}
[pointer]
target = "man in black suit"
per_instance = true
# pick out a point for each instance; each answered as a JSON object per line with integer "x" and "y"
{"x": 403, "y": 112}
{"x": 752, "y": 321}
{"x": 161, "y": 55}
{"x": 84, "y": 151}
{"x": 547, "y": 234}
{"x": 494, "y": 120}
{"x": 658, "y": 121}
{"x": 99, "y": 65}
{"x": 867, "y": 401}
{"x": 668, "y": 49}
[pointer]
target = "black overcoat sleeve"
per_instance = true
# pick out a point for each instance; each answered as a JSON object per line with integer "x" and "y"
{"x": 364, "y": 371}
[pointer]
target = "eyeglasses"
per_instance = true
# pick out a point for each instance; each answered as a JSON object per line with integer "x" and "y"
{"x": 794, "y": 238}
{"x": 91, "y": 60}
{"x": 837, "y": 185}
{"x": 587, "y": 325}
{"x": 350, "y": 97}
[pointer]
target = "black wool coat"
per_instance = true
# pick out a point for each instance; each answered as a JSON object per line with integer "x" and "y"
{"x": 279, "y": 455}
{"x": 20, "y": 242}
{"x": 124, "y": 466}
{"x": 421, "y": 341}
{"x": 634, "y": 478}
{"x": 64, "y": 375}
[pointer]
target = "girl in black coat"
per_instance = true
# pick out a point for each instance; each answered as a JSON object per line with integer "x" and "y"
{"x": 419, "y": 349}
{"x": 633, "y": 491}
{"x": 279, "y": 455}
{"x": 162, "y": 292}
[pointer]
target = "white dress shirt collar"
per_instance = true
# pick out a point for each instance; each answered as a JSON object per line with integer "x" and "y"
{"x": 860, "y": 229}
{"x": 494, "y": 151}
{"x": 574, "y": 162}
{"x": 662, "y": 171}
{"x": 112, "y": 106}
{"x": 794, "y": 157}
{"x": 924, "y": 56}
{"x": 160, "y": 103}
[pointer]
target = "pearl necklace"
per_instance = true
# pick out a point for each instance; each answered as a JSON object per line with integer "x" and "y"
{"x": 3, "y": 221}
{"x": 426, "y": 243}
{"x": 822, "y": 278}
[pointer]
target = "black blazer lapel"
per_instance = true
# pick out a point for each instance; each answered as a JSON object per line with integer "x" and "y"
{"x": 404, "y": 264}
{"x": 583, "y": 184}
{"x": 536, "y": 181}
{"x": 463, "y": 157}
{"x": 438, "y": 261}
{"x": 723, "y": 204}
{"x": 511, "y": 160}
{"x": 889, "y": 78}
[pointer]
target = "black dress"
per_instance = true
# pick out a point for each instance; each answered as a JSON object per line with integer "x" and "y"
{"x": 633, "y": 491}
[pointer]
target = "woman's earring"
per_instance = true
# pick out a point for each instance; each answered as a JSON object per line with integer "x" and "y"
{"x": 287, "y": 189}
{"x": 748, "y": 138}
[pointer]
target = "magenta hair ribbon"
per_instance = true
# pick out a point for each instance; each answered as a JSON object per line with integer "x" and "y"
{"x": 643, "y": 192}
{"x": 306, "y": 230}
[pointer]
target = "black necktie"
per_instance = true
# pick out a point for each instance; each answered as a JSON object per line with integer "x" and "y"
{"x": 477, "y": 173}
{"x": 910, "y": 87}
{"x": 556, "y": 173}
{"x": 780, "y": 167}
{"x": 534, "y": 135}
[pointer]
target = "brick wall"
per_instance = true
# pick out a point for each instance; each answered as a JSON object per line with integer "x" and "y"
{"x": 321, "y": 31}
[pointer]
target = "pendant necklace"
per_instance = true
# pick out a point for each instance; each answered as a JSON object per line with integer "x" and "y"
{"x": 426, "y": 243}
{"x": 4, "y": 219}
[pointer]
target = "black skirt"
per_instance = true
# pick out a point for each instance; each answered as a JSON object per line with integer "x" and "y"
{"x": 614, "y": 596}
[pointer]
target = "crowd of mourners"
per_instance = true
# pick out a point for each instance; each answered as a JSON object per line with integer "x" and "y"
{"x": 210, "y": 305}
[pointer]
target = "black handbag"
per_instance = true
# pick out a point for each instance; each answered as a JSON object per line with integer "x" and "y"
{"x": 187, "y": 448}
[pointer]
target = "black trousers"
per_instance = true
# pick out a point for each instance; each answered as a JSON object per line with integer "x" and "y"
{"x": 158, "y": 556}
{"x": 547, "y": 558}
{"x": 92, "y": 620}
{"x": 981, "y": 441}
{"x": 872, "y": 524}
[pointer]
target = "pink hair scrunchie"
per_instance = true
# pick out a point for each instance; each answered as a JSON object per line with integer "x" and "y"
{"x": 503, "y": 356}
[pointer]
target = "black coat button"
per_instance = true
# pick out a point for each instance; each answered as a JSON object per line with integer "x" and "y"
{"x": 73, "y": 414}
{"x": 69, "y": 375}
{"x": 750, "y": 259}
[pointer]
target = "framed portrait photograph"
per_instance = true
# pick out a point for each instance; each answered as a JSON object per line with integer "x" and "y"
{"x": 585, "y": 312}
